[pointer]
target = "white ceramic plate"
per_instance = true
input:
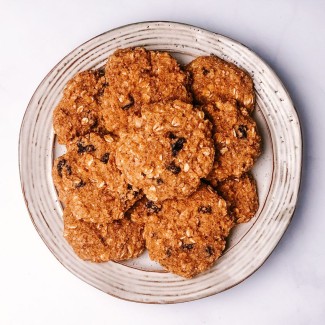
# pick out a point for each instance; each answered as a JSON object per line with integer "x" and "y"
{"x": 277, "y": 170}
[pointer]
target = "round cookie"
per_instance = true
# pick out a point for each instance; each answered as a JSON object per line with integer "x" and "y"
{"x": 88, "y": 181}
{"x": 213, "y": 78}
{"x": 186, "y": 236}
{"x": 136, "y": 77}
{"x": 78, "y": 112}
{"x": 241, "y": 196}
{"x": 118, "y": 240}
{"x": 236, "y": 139}
{"x": 168, "y": 150}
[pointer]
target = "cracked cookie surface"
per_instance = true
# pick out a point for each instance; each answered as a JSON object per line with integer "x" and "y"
{"x": 186, "y": 236}
{"x": 78, "y": 112}
{"x": 213, "y": 78}
{"x": 136, "y": 77}
{"x": 168, "y": 151}
{"x": 88, "y": 181}
{"x": 236, "y": 139}
{"x": 118, "y": 240}
{"x": 241, "y": 195}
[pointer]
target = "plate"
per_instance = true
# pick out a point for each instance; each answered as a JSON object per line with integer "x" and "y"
{"x": 277, "y": 171}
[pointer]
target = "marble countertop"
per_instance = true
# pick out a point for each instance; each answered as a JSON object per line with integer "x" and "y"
{"x": 290, "y": 286}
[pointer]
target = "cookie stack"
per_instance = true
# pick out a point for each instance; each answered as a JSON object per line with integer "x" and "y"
{"x": 157, "y": 158}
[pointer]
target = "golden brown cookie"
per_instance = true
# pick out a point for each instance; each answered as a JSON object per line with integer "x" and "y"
{"x": 78, "y": 111}
{"x": 88, "y": 181}
{"x": 236, "y": 139}
{"x": 169, "y": 149}
{"x": 118, "y": 240}
{"x": 186, "y": 236}
{"x": 213, "y": 78}
{"x": 241, "y": 195}
{"x": 137, "y": 76}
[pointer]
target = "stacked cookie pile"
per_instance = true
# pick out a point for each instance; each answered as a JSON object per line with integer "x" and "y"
{"x": 157, "y": 158}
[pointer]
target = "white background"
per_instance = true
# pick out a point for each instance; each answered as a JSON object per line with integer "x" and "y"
{"x": 289, "y": 288}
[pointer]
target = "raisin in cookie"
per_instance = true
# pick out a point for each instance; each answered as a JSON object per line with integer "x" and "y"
{"x": 78, "y": 111}
{"x": 118, "y": 240}
{"x": 186, "y": 236}
{"x": 168, "y": 150}
{"x": 213, "y": 78}
{"x": 137, "y": 76}
{"x": 88, "y": 181}
{"x": 236, "y": 138}
{"x": 241, "y": 195}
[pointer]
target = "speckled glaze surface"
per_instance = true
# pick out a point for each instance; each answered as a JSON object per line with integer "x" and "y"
{"x": 277, "y": 171}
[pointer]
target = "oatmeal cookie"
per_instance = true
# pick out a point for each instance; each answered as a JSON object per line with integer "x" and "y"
{"x": 168, "y": 150}
{"x": 236, "y": 138}
{"x": 118, "y": 240}
{"x": 87, "y": 180}
{"x": 241, "y": 195}
{"x": 136, "y": 77}
{"x": 213, "y": 78}
{"x": 186, "y": 236}
{"x": 78, "y": 111}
